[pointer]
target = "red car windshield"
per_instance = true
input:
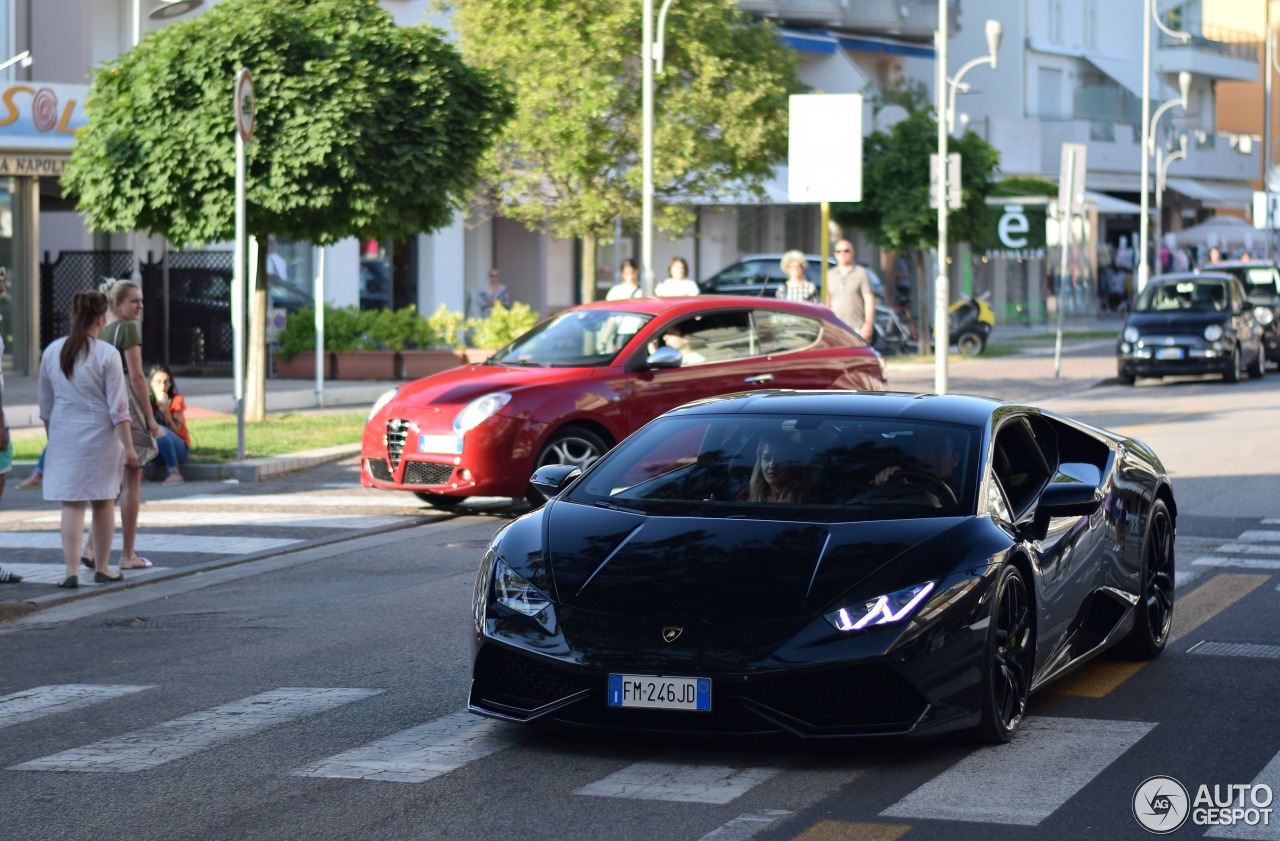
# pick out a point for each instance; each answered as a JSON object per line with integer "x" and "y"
{"x": 575, "y": 339}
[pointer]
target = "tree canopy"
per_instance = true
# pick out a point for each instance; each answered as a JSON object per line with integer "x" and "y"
{"x": 894, "y": 211}
{"x": 364, "y": 128}
{"x": 569, "y": 162}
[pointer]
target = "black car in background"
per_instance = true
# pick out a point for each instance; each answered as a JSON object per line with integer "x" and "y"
{"x": 1261, "y": 281}
{"x": 1187, "y": 324}
{"x": 762, "y": 274}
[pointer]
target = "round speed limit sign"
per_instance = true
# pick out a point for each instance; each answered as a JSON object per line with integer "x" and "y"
{"x": 244, "y": 104}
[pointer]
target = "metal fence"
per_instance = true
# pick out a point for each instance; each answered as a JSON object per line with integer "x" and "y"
{"x": 187, "y": 316}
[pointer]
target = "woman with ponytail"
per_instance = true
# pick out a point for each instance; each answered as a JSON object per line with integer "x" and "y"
{"x": 85, "y": 408}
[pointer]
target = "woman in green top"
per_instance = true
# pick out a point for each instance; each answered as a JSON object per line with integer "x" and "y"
{"x": 124, "y": 331}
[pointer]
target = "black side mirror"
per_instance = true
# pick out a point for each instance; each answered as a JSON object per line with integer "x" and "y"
{"x": 1063, "y": 499}
{"x": 550, "y": 479}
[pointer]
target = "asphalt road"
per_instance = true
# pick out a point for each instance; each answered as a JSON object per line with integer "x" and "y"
{"x": 318, "y": 694}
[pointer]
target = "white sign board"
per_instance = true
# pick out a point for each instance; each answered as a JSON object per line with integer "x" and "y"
{"x": 824, "y": 154}
{"x": 1071, "y": 177}
{"x": 1266, "y": 210}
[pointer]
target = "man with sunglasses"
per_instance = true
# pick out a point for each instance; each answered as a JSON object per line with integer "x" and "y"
{"x": 849, "y": 293}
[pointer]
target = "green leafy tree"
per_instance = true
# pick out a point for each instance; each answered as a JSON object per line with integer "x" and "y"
{"x": 364, "y": 128}
{"x": 569, "y": 162}
{"x": 894, "y": 211}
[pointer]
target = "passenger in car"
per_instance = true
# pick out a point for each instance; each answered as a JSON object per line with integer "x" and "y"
{"x": 783, "y": 472}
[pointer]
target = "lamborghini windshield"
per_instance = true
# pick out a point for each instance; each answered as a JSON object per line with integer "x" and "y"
{"x": 806, "y": 467}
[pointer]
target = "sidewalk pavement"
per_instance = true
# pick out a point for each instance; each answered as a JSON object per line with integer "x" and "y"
{"x": 215, "y": 395}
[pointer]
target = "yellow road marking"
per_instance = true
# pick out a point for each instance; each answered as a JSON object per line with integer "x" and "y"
{"x": 1191, "y": 611}
{"x": 1128, "y": 430}
{"x": 845, "y": 831}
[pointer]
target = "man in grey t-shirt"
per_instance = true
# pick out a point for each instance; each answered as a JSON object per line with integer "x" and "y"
{"x": 849, "y": 292}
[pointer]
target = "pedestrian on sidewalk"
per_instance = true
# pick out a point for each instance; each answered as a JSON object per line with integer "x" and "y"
{"x": 174, "y": 441}
{"x": 849, "y": 293}
{"x": 124, "y": 334}
{"x": 84, "y": 405}
{"x": 798, "y": 287}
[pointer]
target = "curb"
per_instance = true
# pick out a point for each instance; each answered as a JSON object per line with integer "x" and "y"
{"x": 258, "y": 469}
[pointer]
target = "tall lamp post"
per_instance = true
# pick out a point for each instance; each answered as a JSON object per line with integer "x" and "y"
{"x": 945, "y": 95}
{"x": 1162, "y": 177}
{"x": 1148, "y": 124}
{"x": 650, "y": 55}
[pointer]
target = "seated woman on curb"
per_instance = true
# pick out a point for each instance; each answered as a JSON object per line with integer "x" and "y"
{"x": 174, "y": 441}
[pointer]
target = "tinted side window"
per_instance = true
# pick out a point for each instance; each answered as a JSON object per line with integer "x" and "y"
{"x": 1019, "y": 463}
{"x": 785, "y": 331}
{"x": 722, "y": 336}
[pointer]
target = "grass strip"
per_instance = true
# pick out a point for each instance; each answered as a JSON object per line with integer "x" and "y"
{"x": 215, "y": 439}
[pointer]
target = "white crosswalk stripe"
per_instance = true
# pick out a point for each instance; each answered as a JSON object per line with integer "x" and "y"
{"x": 1051, "y": 760}
{"x": 278, "y": 519}
{"x": 196, "y": 732}
{"x": 1237, "y": 562}
{"x": 1250, "y": 550}
{"x": 385, "y": 500}
{"x": 420, "y": 753}
{"x": 226, "y": 544}
{"x": 21, "y": 707}
{"x": 685, "y": 782}
{"x": 744, "y": 826}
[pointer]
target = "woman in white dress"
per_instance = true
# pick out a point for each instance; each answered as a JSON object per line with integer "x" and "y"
{"x": 85, "y": 410}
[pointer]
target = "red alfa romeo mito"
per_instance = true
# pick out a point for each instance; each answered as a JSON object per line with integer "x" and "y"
{"x": 584, "y": 379}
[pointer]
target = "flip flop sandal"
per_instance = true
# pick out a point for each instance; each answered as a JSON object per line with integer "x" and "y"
{"x": 138, "y": 563}
{"x": 7, "y": 577}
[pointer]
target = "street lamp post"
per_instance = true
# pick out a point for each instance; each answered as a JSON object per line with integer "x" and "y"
{"x": 1162, "y": 177}
{"x": 1184, "y": 88}
{"x": 650, "y": 55}
{"x": 945, "y": 95}
{"x": 1148, "y": 125}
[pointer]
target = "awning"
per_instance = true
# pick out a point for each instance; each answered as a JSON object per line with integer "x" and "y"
{"x": 1127, "y": 72}
{"x": 1225, "y": 194}
{"x": 1111, "y": 204}
{"x": 814, "y": 40}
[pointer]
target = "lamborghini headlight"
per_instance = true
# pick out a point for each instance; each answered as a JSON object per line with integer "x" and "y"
{"x": 513, "y": 591}
{"x": 480, "y": 410}
{"x": 1213, "y": 332}
{"x": 882, "y": 610}
{"x": 384, "y": 399}
{"x": 1265, "y": 315}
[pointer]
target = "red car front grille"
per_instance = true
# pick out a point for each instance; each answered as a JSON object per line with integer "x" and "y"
{"x": 397, "y": 430}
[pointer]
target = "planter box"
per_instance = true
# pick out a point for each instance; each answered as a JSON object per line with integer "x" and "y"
{"x": 415, "y": 364}
{"x": 366, "y": 365}
{"x": 302, "y": 366}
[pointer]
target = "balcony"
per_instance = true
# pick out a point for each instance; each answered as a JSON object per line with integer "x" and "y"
{"x": 910, "y": 19}
{"x": 1212, "y": 52}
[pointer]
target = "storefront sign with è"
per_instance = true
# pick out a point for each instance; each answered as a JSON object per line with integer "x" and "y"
{"x": 39, "y": 115}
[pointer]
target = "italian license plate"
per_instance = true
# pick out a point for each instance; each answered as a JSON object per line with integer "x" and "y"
{"x": 1168, "y": 353}
{"x": 660, "y": 693}
{"x": 447, "y": 444}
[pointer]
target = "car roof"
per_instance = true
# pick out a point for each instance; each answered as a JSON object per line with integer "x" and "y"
{"x": 654, "y": 305}
{"x": 1184, "y": 276}
{"x": 965, "y": 409}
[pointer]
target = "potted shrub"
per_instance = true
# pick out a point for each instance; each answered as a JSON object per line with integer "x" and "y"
{"x": 351, "y": 351}
{"x": 500, "y": 327}
{"x": 436, "y": 345}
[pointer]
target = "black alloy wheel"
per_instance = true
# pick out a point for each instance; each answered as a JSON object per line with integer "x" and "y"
{"x": 573, "y": 446}
{"x": 444, "y": 503}
{"x": 1258, "y": 368}
{"x": 1008, "y": 661}
{"x": 1153, "y": 614}
{"x": 1235, "y": 373}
